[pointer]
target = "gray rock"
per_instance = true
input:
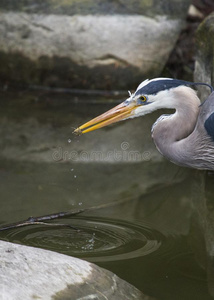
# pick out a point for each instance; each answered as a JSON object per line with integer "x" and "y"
{"x": 204, "y": 65}
{"x": 202, "y": 226}
{"x": 174, "y": 8}
{"x": 31, "y": 273}
{"x": 93, "y": 45}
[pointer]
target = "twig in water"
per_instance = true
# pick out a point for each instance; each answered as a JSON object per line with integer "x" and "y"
{"x": 40, "y": 220}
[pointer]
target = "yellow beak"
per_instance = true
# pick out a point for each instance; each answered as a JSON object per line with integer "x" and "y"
{"x": 118, "y": 113}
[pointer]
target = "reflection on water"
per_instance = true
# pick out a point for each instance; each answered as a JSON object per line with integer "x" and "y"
{"x": 157, "y": 229}
{"x": 99, "y": 240}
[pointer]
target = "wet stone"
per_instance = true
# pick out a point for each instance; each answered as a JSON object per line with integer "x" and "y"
{"x": 78, "y": 44}
{"x": 204, "y": 64}
{"x": 31, "y": 273}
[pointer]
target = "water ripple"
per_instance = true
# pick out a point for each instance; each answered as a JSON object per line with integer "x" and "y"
{"x": 99, "y": 239}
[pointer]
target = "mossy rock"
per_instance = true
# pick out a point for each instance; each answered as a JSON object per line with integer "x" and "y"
{"x": 204, "y": 68}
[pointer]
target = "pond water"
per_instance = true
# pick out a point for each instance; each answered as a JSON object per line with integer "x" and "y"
{"x": 149, "y": 221}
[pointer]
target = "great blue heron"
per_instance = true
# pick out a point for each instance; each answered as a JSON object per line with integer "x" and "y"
{"x": 185, "y": 137}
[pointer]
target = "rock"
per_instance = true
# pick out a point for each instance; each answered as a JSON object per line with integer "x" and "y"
{"x": 31, "y": 273}
{"x": 204, "y": 6}
{"x": 174, "y": 8}
{"x": 94, "y": 45}
{"x": 202, "y": 227}
{"x": 204, "y": 64}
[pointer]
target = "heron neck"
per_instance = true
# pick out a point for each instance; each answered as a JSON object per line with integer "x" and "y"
{"x": 171, "y": 132}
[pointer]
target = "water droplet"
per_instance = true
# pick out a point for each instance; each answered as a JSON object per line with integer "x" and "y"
{"x": 75, "y": 176}
{"x": 72, "y": 170}
{"x": 80, "y": 203}
{"x": 69, "y": 140}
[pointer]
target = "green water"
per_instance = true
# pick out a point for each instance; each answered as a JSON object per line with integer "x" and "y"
{"x": 156, "y": 230}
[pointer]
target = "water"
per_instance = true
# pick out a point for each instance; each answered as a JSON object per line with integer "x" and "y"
{"x": 149, "y": 216}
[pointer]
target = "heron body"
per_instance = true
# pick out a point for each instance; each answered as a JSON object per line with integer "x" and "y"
{"x": 185, "y": 137}
{"x": 182, "y": 137}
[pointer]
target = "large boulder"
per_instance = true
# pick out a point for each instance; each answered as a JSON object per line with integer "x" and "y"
{"x": 98, "y": 44}
{"x": 204, "y": 65}
{"x": 31, "y": 273}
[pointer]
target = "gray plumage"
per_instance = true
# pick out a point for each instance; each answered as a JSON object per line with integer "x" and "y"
{"x": 183, "y": 137}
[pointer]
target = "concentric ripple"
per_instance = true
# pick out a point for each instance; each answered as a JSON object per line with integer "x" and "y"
{"x": 97, "y": 240}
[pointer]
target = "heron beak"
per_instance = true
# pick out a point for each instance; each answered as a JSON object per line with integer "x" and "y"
{"x": 118, "y": 113}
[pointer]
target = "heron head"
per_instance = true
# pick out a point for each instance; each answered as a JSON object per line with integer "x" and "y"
{"x": 150, "y": 95}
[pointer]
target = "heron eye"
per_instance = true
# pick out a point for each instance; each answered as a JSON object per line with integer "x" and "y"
{"x": 143, "y": 98}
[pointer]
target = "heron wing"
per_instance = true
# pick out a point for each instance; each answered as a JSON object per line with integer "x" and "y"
{"x": 209, "y": 126}
{"x": 207, "y": 108}
{"x": 205, "y": 123}
{"x": 202, "y": 138}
